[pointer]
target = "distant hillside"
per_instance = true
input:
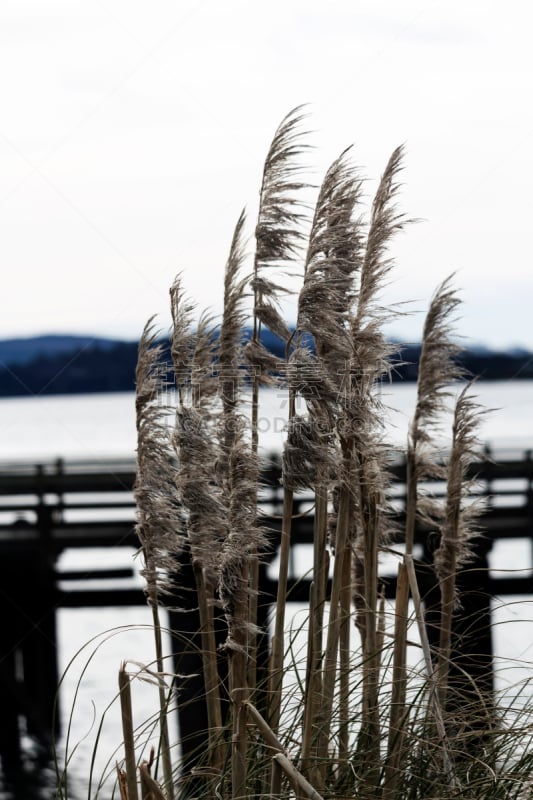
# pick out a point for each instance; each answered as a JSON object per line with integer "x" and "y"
{"x": 22, "y": 351}
{"x": 79, "y": 364}
{"x": 67, "y": 365}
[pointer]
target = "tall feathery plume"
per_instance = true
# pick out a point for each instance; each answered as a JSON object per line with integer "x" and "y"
{"x": 278, "y": 236}
{"x": 160, "y": 524}
{"x": 278, "y": 230}
{"x": 333, "y": 258}
{"x": 459, "y": 528}
{"x": 230, "y": 342}
{"x": 230, "y": 374}
{"x": 233, "y": 422}
{"x": 371, "y": 352}
{"x": 182, "y": 339}
{"x": 195, "y": 445}
{"x": 436, "y": 371}
{"x": 385, "y": 222}
{"x": 324, "y": 304}
{"x": 238, "y": 477}
{"x": 370, "y": 364}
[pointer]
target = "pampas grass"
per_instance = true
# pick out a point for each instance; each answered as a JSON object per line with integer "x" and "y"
{"x": 354, "y": 720}
{"x": 160, "y": 525}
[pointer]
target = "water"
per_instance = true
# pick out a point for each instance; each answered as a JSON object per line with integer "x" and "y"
{"x": 93, "y": 643}
{"x": 103, "y": 425}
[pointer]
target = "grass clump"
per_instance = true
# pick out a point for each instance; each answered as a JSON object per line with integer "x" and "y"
{"x": 374, "y": 706}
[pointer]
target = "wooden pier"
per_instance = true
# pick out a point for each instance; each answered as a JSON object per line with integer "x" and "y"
{"x": 48, "y": 508}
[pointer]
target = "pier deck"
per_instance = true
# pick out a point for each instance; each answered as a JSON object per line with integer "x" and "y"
{"x": 48, "y": 508}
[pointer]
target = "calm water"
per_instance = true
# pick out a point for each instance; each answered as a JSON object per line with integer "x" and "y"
{"x": 93, "y": 643}
{"x": 93, "y": 426}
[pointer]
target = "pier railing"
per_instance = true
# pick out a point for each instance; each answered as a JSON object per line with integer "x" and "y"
{"x": 60, "y": 505}
{"x": 51, "y": 507}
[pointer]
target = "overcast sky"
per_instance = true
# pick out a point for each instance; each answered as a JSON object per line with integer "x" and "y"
{"x": 132, "y": 133}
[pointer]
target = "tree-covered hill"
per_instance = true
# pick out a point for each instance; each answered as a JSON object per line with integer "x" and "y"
{"x": 80, "y": 364}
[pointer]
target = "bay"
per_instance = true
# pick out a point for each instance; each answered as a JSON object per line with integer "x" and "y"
{"x": 93, "y": 643}
{"x": 95, "y": 426}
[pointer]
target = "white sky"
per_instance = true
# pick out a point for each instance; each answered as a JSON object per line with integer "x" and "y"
{"x": 132, "y": 132}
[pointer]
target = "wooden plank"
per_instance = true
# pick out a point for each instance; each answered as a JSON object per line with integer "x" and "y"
{"x": 297, "y": 592}
{"x": 99, "y": 598}
{"x": 102, "y": 476}
{"x": 119, "y": 573}
{"x": 498, "y": 523}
